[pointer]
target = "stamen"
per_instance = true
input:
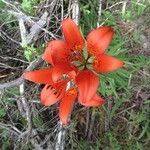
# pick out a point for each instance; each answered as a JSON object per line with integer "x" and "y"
{"x": 97, "y": 63}
{"x": 78, "y": 47}
{"x": 76, "y": 56}
{"x": 71, "y": 92}
{"x": 92, "y": 50}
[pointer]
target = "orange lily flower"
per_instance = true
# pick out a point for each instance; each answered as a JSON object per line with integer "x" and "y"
{"x": 62, "y": 54}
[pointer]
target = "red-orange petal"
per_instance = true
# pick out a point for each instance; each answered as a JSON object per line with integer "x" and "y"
{"x": 99, "y": 39}
{"x": 72, "y": 35}
{"x": 87, "y": 83}
{"x": 94, "y": 102}
{"x": 72, "y": 74}
{"x": 43, "y": 76}
{"x": 50, "y": 94}
{"x": 60, "y": 69}
{"x": 56, "y": 52}
{"x": 106, "y": 63}
{"x": 66, "y": 105}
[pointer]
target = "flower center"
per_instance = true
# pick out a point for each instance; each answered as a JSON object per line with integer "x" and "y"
{"x": 81, "y": 59}
{"x": 76, "y": 56}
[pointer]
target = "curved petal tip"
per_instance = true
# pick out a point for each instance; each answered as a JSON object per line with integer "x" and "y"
{"x": 105, "y": 63}
{"x": 99, "y": 39}
{"x": 66, "y": 105}
{"x": 72, "y": 35}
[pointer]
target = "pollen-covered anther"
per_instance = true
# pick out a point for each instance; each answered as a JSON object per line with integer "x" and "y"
{"x": 96, "y": 63}
{"x": 80, "y": 56}
{"x": 71, "y": 92}
{"x": 77, "y": 48}
{"x": 92, "y": 50}
{"x": 76, "y": 56}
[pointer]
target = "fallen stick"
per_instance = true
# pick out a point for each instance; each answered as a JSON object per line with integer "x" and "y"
{"x": 17, "y": 82}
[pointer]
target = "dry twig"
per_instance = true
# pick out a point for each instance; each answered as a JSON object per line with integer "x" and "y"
{"x": 20, "y": 80}
{"x": 75, "y": 11}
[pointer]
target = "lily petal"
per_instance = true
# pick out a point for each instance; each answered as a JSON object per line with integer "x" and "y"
{"x": 50, "y": 94}
{"x": 72, "y": 35}
{"x": 56, "y": 52}
{"x": 43, "y": 76}
{"x": 99, "y": 39}
{"x": 87, "y": 83}
{"x": 60, "y": 69}
{"x": 106, "y": 63}
{"x": 94, "y": 102}
{"x": 72, "y": 74}
{"x": 66, "y": 105}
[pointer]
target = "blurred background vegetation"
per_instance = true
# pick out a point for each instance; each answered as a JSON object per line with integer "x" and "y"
{"x": 123, "y": 122}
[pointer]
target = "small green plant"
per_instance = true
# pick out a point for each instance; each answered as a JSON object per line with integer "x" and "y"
{"x": 5, "y": 140}
{"x": 5, "y": 17}
{"x": 29, "y": 6}
{"x": 88, "y": 9}
{"x": 133, "y": 10}
{"x": 30, "y": 53}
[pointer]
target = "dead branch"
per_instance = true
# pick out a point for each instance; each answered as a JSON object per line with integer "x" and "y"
{"x": 91, "y": 124}
{"x": 16, "y": 82}
{"x": 75, "y": 11}
{"x": 23, "y": 31}
{"x": 18, "y": 14}
{"x": 99, "y": 12}
{"x": 7, "y": 58}
{"x": 36, "y": 28}
{"x": 26, "y": 108}
{"x": 87, "y": 121}
{"x": 10, "y": 128}
{"x": 34, "y": 64}
{"x": 60, "y": 143}
{"x": 3, "y": 35}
